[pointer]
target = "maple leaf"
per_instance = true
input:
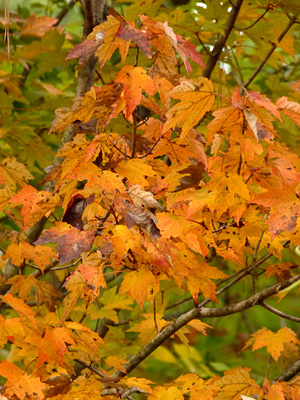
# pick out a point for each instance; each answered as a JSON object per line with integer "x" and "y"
{"x": 144, "y": 219}
{"x": 21, "y": 384}
{"x": 264, "y": 102}
{"x": 21, "y": 285}
{"x": 83, "y": 51}
{"x": 13, "y": 173}
{"x": 75, "y": 284}
{"x": 289, "y": 108}
{"x": 35, "y": 204}
{"x": 285, "y": 208}
{"x": 141, "y": 198}
{"x": 138, "y": 283}
{"x": 166, "y": 393}
{"x": 87, "y": 341}
{"x": 199, "y": 326}
{"x": 276, "y": 343}
{"x": 129, "y": 32}
{"x": 5, "y": 195}
{"x": 196, "y": 99}
{"x": 201, "y": 279}
{"x": 275, "y": 391}
{"x": 141, "y": 383}
{"x": 135, "y": 80}
{"x": 20, "y": 307}
{"x": 116, "y": 363}
{"x": 236, "y": 383}
{"x": 259, "y": 131}
{"x": 41, "y": 255}
{"x": 71, "y": 241}
{"x": 162, "y": 31}
{"x": 38, "y": 26}
{"x": 97, "y": 101}
{"x": 148, "y": 328}
{"x": 111, "y": 42}
{"x": 94, "y": 278}
{"x": 135, "y": 170}
{"x": 112, "y": 302}
{"x": 60, "y": 384}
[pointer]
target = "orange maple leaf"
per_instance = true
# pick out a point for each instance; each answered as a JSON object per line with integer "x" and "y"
{"x": 20, "y": 307}
{"x": 138, "y": 283}
{"x": 13, "y": 173}
{"x": 41, "y": 255}
{"x": 19, "y": 384}
{"x": 35, "y": 204}
{"x": 135, "y": 80}
{"x": 276, "y": 342}
{"x": 235, "y": 383}
{"x": 196, "y": 99}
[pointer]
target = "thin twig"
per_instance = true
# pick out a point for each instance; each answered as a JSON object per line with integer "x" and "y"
{"x": 280, "y": 313}
{"x": 240, "y": 165}
{"x": 272, "y": 49}
{"x": 255, "y": 22}
{"x": 254, "y": 261}
{"x": 154, "y": 316}
{"x": 290, "y": 372}
{"x": 85, "y": 365}
{"x": 152, "y": 148}
{"x": 202, "y": 44}
{"x": 137, "y": 56}
{"x": 134, "y": 134}
{"x": 66, "y": 266}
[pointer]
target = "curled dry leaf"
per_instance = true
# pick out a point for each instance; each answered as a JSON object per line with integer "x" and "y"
{"x": 141, "y": 198}
{"x": 144, "y": 219}
{"x": 259, "y": 131}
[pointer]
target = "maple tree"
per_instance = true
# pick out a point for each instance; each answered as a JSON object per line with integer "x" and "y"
{"x": 149, "y": 199}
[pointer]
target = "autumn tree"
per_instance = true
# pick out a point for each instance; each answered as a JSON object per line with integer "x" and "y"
{"x": 149, "y": 172}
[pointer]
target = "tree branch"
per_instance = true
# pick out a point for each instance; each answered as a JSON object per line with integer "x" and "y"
{"x": 272, "y": 49}
{"x": 290, "y": 372}
{"x": 280, "y": 313}
{"x": 200, "y": 311}
{"x": 215, "y": 54}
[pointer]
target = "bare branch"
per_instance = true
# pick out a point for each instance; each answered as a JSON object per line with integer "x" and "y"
{"x": 290, "y": 372}
{"x": 200, "y": 311}
{"x": 255, "y": 22}
{"x": 215, "y": 54}
{"x": 280, "y": 313}
{"x": 85, "y": 365}
{"x": 272, "y": 49}
{"x": 133, "y": 389}
{"x": 64, "y": 11}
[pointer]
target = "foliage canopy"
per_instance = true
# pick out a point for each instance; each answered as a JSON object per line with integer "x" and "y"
{"x": 151, "y": 256}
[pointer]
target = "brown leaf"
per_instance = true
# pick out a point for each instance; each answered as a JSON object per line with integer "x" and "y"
{"x": 141, "y": 198}
{"x": 142, "y": 218}
{"x": 71, "y": 241}
{"x": 86, "y": 50}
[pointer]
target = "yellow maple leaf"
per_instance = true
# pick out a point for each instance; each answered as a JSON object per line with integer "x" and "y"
{"x": 196, "y": 99}
{"x": 111, "y": 42}
{"x": 41, "y": 255}
{"x": 135, "y": 171}
{"x": 138, "y": 283}
{"x": 235, "y": 383}
{"x": 13, "y": 173}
